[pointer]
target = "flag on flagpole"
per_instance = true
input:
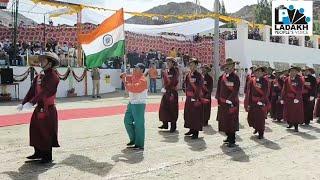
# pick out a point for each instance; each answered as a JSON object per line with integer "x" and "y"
{"x": 106, "y": 41}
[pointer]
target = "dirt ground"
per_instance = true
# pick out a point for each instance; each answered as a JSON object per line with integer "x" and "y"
{"x": 95, "y": 149}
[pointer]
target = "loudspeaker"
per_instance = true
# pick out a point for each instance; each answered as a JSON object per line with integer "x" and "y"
{"x": 6, "y": 75}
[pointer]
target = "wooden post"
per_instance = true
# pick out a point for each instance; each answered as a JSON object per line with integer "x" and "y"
{"x": 80, "y": 58}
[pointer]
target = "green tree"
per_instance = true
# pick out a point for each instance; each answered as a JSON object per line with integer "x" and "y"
{"x": 263, "y": 12}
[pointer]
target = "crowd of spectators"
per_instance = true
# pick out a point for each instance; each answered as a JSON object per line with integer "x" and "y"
{"x": 157, "y": 58}
{"x": 67, "y": 53}
{"x": 293, "y": 40}
{"x": 255, "y": 34}
{"x": 276, "y": 39}
{"x": 226, "y": 35}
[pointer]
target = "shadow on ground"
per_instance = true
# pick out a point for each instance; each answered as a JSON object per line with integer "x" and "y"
{"x": 85, "y": 164}
{"x": 304, "y": 135}
{"x": 196, "y": 144}
{"x": 129, "y": 156}
{"x": 236, "y": 153}
{"x": 266, "y": 143}
{"x": 169, "y": 137}
{"x": 29, "y": 170}
{"x": 208, "y": 130}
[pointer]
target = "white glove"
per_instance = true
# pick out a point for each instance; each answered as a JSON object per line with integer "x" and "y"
{"x": 281, "y": 102}
{"x": 260, "y": 103}
{"x": 311, "y": 98}
{"x": 228, "y": 102}
{"x": 27, "y": 106}
{"x": 296, "y": 101}
{"x": 20, "y": 107}
{"x": 163, "y": 90}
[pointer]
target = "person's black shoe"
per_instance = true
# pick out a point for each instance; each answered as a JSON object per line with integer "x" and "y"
{"x": 99, "y": 97}
{"x": 260, "y": 136}
{"x": 226, "y": 140}
{"x": 290, "y": 126}
{"x": 46, "y": 160}
{"x": 296, "y": 129}
{"x": 173, "y": 127}
{"x": 255, "y": 132}
{"x": 130, "y": 144}
{"x": 232, "y": 145}
{"x": 163, "y": 127}
{"x": 195, "y": 135}
{"x": 136, "y": 148}
{"x": 34, "y": 156}
{"x": 188, "y": 133}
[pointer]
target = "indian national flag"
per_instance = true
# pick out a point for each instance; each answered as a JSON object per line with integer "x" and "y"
{"x": 106, "y": 41}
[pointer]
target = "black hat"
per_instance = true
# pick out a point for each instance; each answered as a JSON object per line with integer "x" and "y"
{"x": 262, "y": 68}
{"x": 229, "y": 61}
{"x": 140, "y": 66}
{"x": 294, "y": 67}
{"x": 52, "y": 57}
{"x": 194, "y": 60}
{"x": 207, "y": 67}
{"x": 307, "y": 68}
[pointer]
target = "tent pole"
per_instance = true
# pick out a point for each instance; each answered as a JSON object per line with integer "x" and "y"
{"x": 216, "y": 53}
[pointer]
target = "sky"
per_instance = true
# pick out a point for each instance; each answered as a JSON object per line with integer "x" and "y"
{"x": 128, "y": 5}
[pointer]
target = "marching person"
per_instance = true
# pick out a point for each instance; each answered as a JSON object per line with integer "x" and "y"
{"x": 228, "y": 100}
{"x": 317, "y": 108}
{"x": 258, "y": 102}
{"x": 134, "y": 120}
{"x": 292, "y": 98}
{"x": 276, "y": 89}
{"x": 169, "y": 107}
{"x": 207, "y": 91}
{"x": 248, "y": 77}
{"x": 309, "y": 94}
{"x": 44, "y": 121}
{"x": 193, "y": 111}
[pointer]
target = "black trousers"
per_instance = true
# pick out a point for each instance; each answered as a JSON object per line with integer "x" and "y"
{"x": 44, "y": 154}
{"x": 231, "y": 137}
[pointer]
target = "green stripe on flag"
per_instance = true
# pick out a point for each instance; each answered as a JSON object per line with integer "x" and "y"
{"x": 97, "y": 59}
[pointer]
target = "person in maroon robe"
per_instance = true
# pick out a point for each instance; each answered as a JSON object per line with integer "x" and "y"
{"x": 309, "y": 94}
{"x": 258, "y": 101}
{"x": 193, "y": 110}
{"x": 207, "y": 91}
{"x": 292, "y": 98}
{"x": 248, "y": 77}
{"x": 317, "y": 108}
{"x": 228, "y": 100}
{"x": 44, "y": 121}
{"x": 276, "y": 89}
{"x": 169, "y": 107}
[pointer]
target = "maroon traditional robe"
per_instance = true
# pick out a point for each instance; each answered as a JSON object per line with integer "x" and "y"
{"x": 169, "y": 108}
{"x": 309, "y": 90}
{"x": 317, "y": 108}
{"x": 207, "y": 91}
{"x": 292, "y": 89}
{"x": 246, "y": 83}
{"x": 257, "y": 92}
{"x": 193, "y": 110}
{"x": 228, "y": 115}
{"x": 44, "y": 121}
{"x": 276, "y": 106}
